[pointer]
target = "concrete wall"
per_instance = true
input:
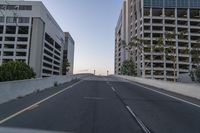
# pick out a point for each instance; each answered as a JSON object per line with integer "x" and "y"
{"x": 36, "y": 46}
{"x": 14, "y": 89}
{"x": 187, "y": 89}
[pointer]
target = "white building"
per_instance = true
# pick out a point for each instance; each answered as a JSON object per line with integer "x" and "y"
{"x": 150, "y": 20}
{"x": 120, "y": 36}
{"x": 68, "y": 52}
{"x": 29, "y": 33}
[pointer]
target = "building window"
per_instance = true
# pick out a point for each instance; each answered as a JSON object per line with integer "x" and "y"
{"x": 20, "y": 53}
{"x": 47, "y": 59}
{"x": 21, "y": 46}
{"x": 23, "y": 30}
{"x": 25, "y": 7}
{"x": 147, "y": 3}
{"x": 49, "y": 39}
{"x": 8, "y": 53}
{"x": 11, "y": 20}
{"x": 23, "y": 20}
{"x": 1, "y": 29}
{"x": 194, "y": 3}
{"x": 2, "y": 7}
{"x": 8, "y": 46}
{"x": 10, "y": 29}
{"x": 1, "y": 38}
{"x": 157, "y": 3}
{"x": 9, "y": 38}
{"x": 22, "y": 39}
{"x": 170, "y": 3}
{"x": 11, "y": 7}
{"x": 182, "y": 3}
{"x": 2, "y": 19}
{"x": 57, "y": 46}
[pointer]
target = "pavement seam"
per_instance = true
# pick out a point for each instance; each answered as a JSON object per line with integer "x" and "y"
{"x": 138, "y": 120}
{"x": 36, "y": 104}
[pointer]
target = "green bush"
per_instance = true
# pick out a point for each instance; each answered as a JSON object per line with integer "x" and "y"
{"x": 15, "y": 70}
{"x": 197, "y": 72}
{"x": 128, "y": 68}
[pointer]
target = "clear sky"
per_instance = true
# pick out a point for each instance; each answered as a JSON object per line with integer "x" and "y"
{"x": 92, "y": 24}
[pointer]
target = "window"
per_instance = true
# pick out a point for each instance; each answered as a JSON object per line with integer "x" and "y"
{"x": 23, "y": 20}
{"x": 8, "y": 53}
{"x": 9, "y": 38}
{"x": 1, "y": 19}
{"x": 194, "y": 3}
{"x": 10, "y": 29}
{"x": 1, "y": 29}
{"x": 8, "y": 46}
{"x": 22, "y": 39}
{"x": 21, "y": 46}
{"x": 57, "y": 46}
{"x": 20, "y": 53}
{"x": 2, "y": 7}
{"x": 157, "y": 3}
{"x": 25, "y": 7}
{"x": 1, "y": 38}
{"x": 182, "y": 13}
{"x": 170, "y": 3}
{"x": 11, "y": 20}
{"x": 49, "y": 39}
{"x": 147, "y": 3}
{"x": 182, "y": 3}
{"x": 11, "y": 7}
{"x": 23, "y": 30}
{"x": 47, "y": 59}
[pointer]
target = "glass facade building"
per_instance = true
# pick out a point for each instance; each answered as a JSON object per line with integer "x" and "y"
{"x": 172, "y": 3}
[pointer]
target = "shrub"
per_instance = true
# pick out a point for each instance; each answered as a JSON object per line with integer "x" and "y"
{"x": 128, "y": 68}
{"x": 197, "y": 72}
{"x": 15, "y": 70}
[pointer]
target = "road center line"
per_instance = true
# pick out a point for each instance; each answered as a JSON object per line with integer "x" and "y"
{"x": 36, "y": 104}
{"x": 145, "y": 129}
{"x": 113, "y": 88}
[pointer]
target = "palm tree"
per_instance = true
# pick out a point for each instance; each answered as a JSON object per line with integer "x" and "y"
{"x": 132, "y": 46}
{"x": 169, "y": 51}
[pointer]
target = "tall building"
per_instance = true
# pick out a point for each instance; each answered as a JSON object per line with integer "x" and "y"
{"x": 29, "y": 33}
{"x": 120, "y": 35}
{"x": 150, "y": 20}
{"x": 68, "y": 52}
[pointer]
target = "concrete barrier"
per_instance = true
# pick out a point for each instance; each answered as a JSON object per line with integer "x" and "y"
{"x": 14, "y": 89}
{"x": 187, "y": 89}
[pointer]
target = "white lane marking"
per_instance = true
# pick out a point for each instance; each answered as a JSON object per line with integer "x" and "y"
{"x": 113, "y": 88}
{"x": 36, "y": 104}
{"x": 179, "y": 99}
{"x": 146, "y": 130}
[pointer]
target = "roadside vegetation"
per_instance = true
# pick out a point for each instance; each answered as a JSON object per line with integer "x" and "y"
{"x": 15, "y": 70}
{"x": 65, "y": 66}
{"x": 128, "y": 68}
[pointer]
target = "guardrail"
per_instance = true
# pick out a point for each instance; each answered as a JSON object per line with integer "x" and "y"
{"x": 14, "y": 89}
{"x": 187, "y": 89}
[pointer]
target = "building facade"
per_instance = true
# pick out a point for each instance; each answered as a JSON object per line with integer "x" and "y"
{"x": 120, "y": 35}
{"x": 30, "y": 34}
{"x": 151, "y": 20}
{"x": 68, "y": 52}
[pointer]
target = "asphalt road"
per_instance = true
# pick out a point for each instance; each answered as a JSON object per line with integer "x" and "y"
{"x": 101, "y": 105}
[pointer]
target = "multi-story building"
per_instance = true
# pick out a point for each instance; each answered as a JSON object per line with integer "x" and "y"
{"x": 68, "y": 52}
{"x": 150, "y": 20}
{"x": 120, "y": 35}
{"x": 29, "y": 33}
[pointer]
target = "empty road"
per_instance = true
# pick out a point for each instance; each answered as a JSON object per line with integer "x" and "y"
{"x": 102, "y": 105}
